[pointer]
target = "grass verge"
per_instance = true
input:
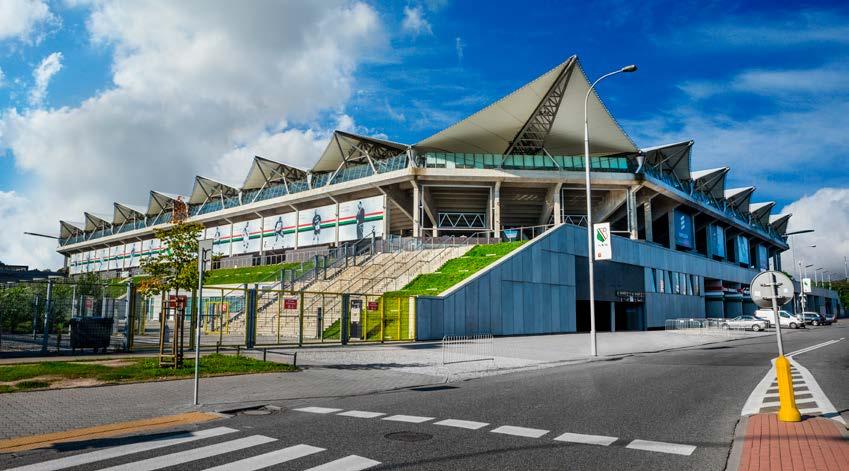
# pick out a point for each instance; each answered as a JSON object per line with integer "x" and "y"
{"x": 29, "y": 376}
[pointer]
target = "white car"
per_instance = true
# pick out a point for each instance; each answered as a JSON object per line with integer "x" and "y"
{"x": 787, "y": 319}
{"x": 746, "y": 323}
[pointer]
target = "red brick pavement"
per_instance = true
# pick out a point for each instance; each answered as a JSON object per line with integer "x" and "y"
{"x": 812, "y": 444}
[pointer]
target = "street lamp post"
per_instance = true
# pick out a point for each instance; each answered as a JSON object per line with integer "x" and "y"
{"x": 590, "y": 254}
{"x": 795, "y": 265}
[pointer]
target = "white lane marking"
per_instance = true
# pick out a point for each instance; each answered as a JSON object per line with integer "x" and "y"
{"x": 361, "y": 414}
{"x": 812, "y": 410}
{"x": 348, "y": 463}
{"x": 413, "y": 419}
{"x": 586, "y": 439}
{"x": 770, "y": 395}
{"x": 166, "y": 461}
{"x": 662, "y": 447}
{"x": 753, "y": 403}
{"x": 317, "y": 410}
{"x": 818, "y": 395}
{"x": 520, "y": 431}
{"x": 123, "y": 450}
{"x": 269, "y": 459}
{"x": 813, "y": 347}
{"x": 467, "y": 424}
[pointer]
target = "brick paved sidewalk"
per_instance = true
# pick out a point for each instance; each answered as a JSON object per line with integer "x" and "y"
{"x": 812, "y": 444}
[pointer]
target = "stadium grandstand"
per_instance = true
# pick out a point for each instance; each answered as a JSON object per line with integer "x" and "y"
{"x": 686, "y": 246}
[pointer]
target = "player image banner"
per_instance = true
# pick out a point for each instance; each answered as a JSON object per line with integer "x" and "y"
{"x": 742, "y": 250}
{"x": 717, "y": 240}
{"x": 220, "y": 236}
{"x": 115, "y": 262}
{"x": 278, "y": 232}
{"x": 72, "y": 264}
{"x": 246, "y": 236}
{"x": 101, "y": 260}
{"x": 317, "y": 226}
{"x": 132, "y": 254}
{"x": 359, "y": 218}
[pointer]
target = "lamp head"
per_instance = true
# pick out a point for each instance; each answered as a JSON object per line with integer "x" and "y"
{"x": 629, "y": 68}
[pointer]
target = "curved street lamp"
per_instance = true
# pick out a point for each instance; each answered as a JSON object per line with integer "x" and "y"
{"x": 590, "y": 254}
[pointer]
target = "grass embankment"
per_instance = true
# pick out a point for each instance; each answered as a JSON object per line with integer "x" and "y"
{"x": 249, "y": 275}
{"x": 57, "y": 374}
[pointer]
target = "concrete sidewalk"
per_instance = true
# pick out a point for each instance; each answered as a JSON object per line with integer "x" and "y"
{"x": 770, "y": 445}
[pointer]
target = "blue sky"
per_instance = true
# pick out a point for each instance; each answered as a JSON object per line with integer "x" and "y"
{"x": 199, "y": 88}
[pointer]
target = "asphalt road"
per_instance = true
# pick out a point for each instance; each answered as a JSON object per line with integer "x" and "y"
{"x": 690, "y": 397}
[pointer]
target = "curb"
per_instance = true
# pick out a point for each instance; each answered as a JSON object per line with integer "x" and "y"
{"x": 736, "y": 452}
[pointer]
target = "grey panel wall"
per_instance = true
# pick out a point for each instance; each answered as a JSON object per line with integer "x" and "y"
{"x": 662, "y": 306}
{"x": 530, "y": 292}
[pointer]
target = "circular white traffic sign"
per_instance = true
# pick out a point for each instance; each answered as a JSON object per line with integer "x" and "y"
{"x": 761, "y": 288}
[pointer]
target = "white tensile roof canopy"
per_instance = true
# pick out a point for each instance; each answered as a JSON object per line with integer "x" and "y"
{"x": 547, "y": 113}
{"x": 94, "y": 222}
{"x": 739, "y": 198}
{"x": 779, "y": 222}
{"x": 711, "y": 181}
{"x": 160, "y": 202}
{"x": 207, "y": 188}
{"x": 760, "y": 211}
{"x": 125, "y": 212}
{"x": 351, "y": 149}
{"x": 264, "y": 172}
{"x": 671, "y": 158}
{"x": 68, "y": 229}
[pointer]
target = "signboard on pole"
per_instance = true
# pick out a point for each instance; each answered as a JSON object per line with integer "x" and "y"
{"x": 290, "y": 303}
{"x": 806, "y": 285}
{"x": 601, "y": 241}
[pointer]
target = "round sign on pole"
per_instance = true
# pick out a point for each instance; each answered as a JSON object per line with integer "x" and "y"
{"x": 761, "y": 288}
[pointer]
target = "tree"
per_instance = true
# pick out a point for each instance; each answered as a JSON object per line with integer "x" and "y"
{"x": 176, "y": 268}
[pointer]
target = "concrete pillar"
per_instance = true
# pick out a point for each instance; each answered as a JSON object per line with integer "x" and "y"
{"x": 612, "y": 316}
{"x": 336, "y": 227}
{"x": 648, "y": 218}
{"x": 417, "y": 210}
{"x": 496, "y": 208}
{"x": 558, "y": 205}
{"x": 297, "y": 220}
{"x": 386, "y": 221}
{"x": 670, "y": 219}
{"x": 632, "y": 213}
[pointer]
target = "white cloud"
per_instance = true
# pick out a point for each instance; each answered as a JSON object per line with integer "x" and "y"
{"x": 19, "y": 19}
{"x": 198, "y": 88}
{"x": 459, "y": 45}
{"x": 827, "y": 212}
{"x": 414, "y": 22}
{"x": 783, "y": 84}
{"x": 42, "y": 74}
{"x": 2, "y": 78}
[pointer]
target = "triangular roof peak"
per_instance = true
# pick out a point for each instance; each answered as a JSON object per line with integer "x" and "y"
{"x": 673, "y": 158}
{"x": 779, "y": 222}
{"x": 760, "y": 211}
{"x": 546, "y": 113}
{"x": 265, "y": 171}
{"x": 739, "y": 198}
{"x": 711, "y": 181}
{"x": 206, "y": 188}
{"x": 346, "y": 148}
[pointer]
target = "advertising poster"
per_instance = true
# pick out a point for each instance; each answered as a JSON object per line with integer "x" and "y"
{"x": 717, "y": 240}
{"x": 220, "y": 236}
{"x": 279, "y": 232}
{"x": 684, "y": 230}
{"x": 601, "y": 241}
{"x": 72, "y": 264}
{"x": 359, "y": 218}
{"x": 317, "y": 226}
{"x": 115, "y": 262}
{"x": 743, "y": 250}
{"x": 101, "y": 260}
{"x": 763, "y": 257}
{"x": 246, "y": 236}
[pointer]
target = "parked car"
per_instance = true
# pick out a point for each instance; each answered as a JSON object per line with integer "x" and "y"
{"x": 815, "y": 318}
{"x": 787, "y": 319}
{"x": 746, "y": 323}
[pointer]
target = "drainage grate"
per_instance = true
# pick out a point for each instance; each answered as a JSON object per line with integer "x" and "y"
{"x": 408, "y": 436}
{"x": 433, "y": 388}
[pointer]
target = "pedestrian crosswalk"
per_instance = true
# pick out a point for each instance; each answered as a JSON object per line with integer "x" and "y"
{"x": 102, "y": 460}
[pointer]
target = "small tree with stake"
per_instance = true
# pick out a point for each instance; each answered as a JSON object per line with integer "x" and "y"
{"x": 174, "y": 269}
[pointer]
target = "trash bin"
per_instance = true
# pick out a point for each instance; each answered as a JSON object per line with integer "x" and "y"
{"x": 91, "y": 332}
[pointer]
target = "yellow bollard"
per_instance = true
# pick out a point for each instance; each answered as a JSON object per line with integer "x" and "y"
{"x": 787, "y": 412}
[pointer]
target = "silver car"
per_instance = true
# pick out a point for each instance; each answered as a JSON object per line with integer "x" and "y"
{"x": 745, "y": 323}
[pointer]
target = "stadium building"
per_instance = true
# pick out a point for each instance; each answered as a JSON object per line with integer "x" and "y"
{"x": 689, "y": 246}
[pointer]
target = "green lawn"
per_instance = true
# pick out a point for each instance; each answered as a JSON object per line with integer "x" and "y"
{"x": 249, "y": 275}
{"x": 456, "y": 270}
{"x": 27, "y": 376}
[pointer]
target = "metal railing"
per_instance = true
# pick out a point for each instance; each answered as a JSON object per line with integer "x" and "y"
{"x": 467, "y": 348}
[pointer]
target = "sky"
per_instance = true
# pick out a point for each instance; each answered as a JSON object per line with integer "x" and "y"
{"x": 102, "y": 100}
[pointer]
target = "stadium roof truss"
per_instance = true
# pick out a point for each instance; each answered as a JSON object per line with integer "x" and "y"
{"x": 265, "y": 172}
{"x": 544, "y": 116}
{"x": 760, "y": 212}
{"x": 711, "y": 182}
{"x": 124, "y": 213}
{"x": 779, "y": 223}
{"x": 739, "y": 198}
{"x": 206, "y": 189}
{"x": 670, "y": 158}
{"x": 69, "y": 229}
{"x": 94, "y": 222}
{"x": 346, "y": 149}
{"x": 160, "y": 203}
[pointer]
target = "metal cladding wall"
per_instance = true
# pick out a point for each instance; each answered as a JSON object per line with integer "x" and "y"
{"x": 532, "y": 291}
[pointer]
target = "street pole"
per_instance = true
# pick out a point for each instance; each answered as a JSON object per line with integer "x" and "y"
{"x": 203, "y": 247}
{"x": 590, "y": 252}
{"x": 787, "y": 411}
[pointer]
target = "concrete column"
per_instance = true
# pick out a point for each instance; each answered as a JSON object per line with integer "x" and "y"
{"x": 612, "y": 316}
{"x": 648, "y": 218}
{"x": 297, "y": 219}
{"x": 417, "y": 210}
{"x": 336, "y": 227}
{"x": 632, "y": 213}
{"x": 670, "y": 225}
{"x": 386, "y": 221}
{"x": 558, "y": 205}
{"x": 496, "y": 208}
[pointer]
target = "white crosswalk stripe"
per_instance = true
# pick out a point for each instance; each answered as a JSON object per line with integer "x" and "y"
{"x": 519, "y": 431}
{"x": 361, "y": 414}
{"x": 194, "y": 454}
{"x": 123, "y": 450}
{"x": 348, "y": 463}
{"x": 662, "y": 447}
{"x": 467, "y": 424}
{"x": 269, "y": 459}
{"x": 413, "y": 419}
{"x": 318, "y": 410}
{"x": 586, "y": 439}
